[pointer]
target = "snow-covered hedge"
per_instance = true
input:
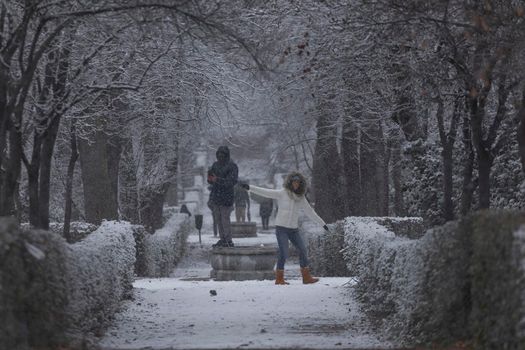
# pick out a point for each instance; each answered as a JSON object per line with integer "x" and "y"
{"x": 33, "y": 287}
{"x": 325, "y": 252}
{"x": 497, "y": 284}
{"x": 51, "y": 291}
{"x": 101, "y": 272}
{"x": 326, "y": 249}
{"x": 463, "y": 280}
{"x": 164, "y": 249}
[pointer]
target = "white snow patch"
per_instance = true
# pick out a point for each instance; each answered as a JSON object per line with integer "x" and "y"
{"x": 170, "y": 313}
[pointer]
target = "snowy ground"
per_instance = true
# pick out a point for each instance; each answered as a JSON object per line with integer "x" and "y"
{"x": 181, "y": 312}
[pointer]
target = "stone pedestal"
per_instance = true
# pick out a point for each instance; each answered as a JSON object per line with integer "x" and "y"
{"x": 243, "y": 229}
{"x": 243, "y": 263}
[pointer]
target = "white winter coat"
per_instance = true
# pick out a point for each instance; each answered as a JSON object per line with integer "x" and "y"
{"x": 289, "y": 204}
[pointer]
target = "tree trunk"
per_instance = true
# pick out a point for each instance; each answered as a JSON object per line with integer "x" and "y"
{"x": 114, "y": 149}
{"x": 10, "y": 175}
{"x": 372, "y": 172}
{"x": 448, "y": 204}
{"x": 447, "y": 139}
{"x": 128, "y": 195}
{"x": 46, "y": 159}
{"x": 161, "y": 168}
{"x": 327, "y": 171}
{"x": 484, "y": 167}
{"x": 32, "y": 182}
{"x": 521, "y": 131}
{"x": 69, "y": 183}
{"x": 468, "y": 186}
{"x": 151, "y": 204}
{"x": 99, "y": 197}
{"x": 397, "y": 176}
{"x": 386, "y": 180}
{"x": 382, "y": 172}
{"x": 350, "y": 159}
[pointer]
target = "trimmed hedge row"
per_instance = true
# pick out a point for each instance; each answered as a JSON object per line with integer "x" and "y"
{"x": 164, "y": 249}
{"x": 326, "y": 249}
{"x": 325, "y": 252}
{"x": 101, "y": 273}
{"x": 52, "y": 293}
{"x": 463, "y": 280}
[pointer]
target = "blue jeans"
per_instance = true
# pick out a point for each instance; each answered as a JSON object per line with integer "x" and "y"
{"x": 292, "y": 234}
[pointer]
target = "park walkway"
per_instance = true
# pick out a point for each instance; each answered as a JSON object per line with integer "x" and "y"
{"x": 190, "y": 311}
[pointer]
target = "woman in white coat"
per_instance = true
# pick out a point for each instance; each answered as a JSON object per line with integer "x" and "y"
{"x": 289, "y": 200}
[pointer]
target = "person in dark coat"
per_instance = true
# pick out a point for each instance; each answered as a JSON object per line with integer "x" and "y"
{"x": 222, "y": 176}
{"x": 265, "y": 210}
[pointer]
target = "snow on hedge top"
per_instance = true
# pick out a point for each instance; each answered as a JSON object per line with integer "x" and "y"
{"x": 367, "y": 227}
{"x": 384, "y": 227}
{"x": 109, "y": 231}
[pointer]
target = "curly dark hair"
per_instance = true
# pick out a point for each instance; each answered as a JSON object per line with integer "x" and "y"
{"x": 302, "y": 183}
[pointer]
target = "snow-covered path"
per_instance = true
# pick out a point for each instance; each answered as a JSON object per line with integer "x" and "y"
{"x": 182, "y": 313}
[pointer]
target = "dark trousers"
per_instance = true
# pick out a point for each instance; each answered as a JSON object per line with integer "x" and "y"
{"x": 285, "y": 234}
{"x": 265, "y": 221}
{"x": 221, "y": 215}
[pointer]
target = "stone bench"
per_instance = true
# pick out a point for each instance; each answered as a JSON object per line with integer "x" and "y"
{"x": 243, "y": 263}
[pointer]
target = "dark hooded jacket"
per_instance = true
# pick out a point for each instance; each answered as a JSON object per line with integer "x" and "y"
{"x": 227, "y": 174}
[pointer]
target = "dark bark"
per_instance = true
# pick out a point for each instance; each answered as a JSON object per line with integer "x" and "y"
{"x": 386, "y": 180}
{"x": 52, "y": 91}
{"x": 10, "y": 175}
{"x": 69, "y": 183}
{"x": 327, "y": 171}
{"x": 468, "y": 185}
{"x": 151, "y": 203}
{"x": 372, "y": 169}
{"x": 485, "y": 142}
{"x": 407, "y": 118}
{"x": 397, "y": 175}
{"x": 161, "y": 171}
{"x": 114, "y": 149}
{"x": 350, "y": 159}
{"x": 128, "y": 199}
{"x": 447, "y": 139}
{"x": 521, "y": 131}
{"x": 99, "y": 198}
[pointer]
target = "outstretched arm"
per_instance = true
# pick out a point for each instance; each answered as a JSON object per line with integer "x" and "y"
{"x": 265, "y": 192}
{"x": 309, "y": 211}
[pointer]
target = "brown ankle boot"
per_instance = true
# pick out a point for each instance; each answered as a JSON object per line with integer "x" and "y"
{"x": 307, "y": 278}
{"x": 279, "y": 277}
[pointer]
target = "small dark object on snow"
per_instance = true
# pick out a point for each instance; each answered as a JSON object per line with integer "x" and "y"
{"x": 263, "y": 330}
{"x": 213, "y": 292}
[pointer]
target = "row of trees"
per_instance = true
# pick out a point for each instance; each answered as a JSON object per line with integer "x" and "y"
{"x": 114, "y": 85}
{"x": 418, "y": 105}
{"x": 394, "y": 108}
